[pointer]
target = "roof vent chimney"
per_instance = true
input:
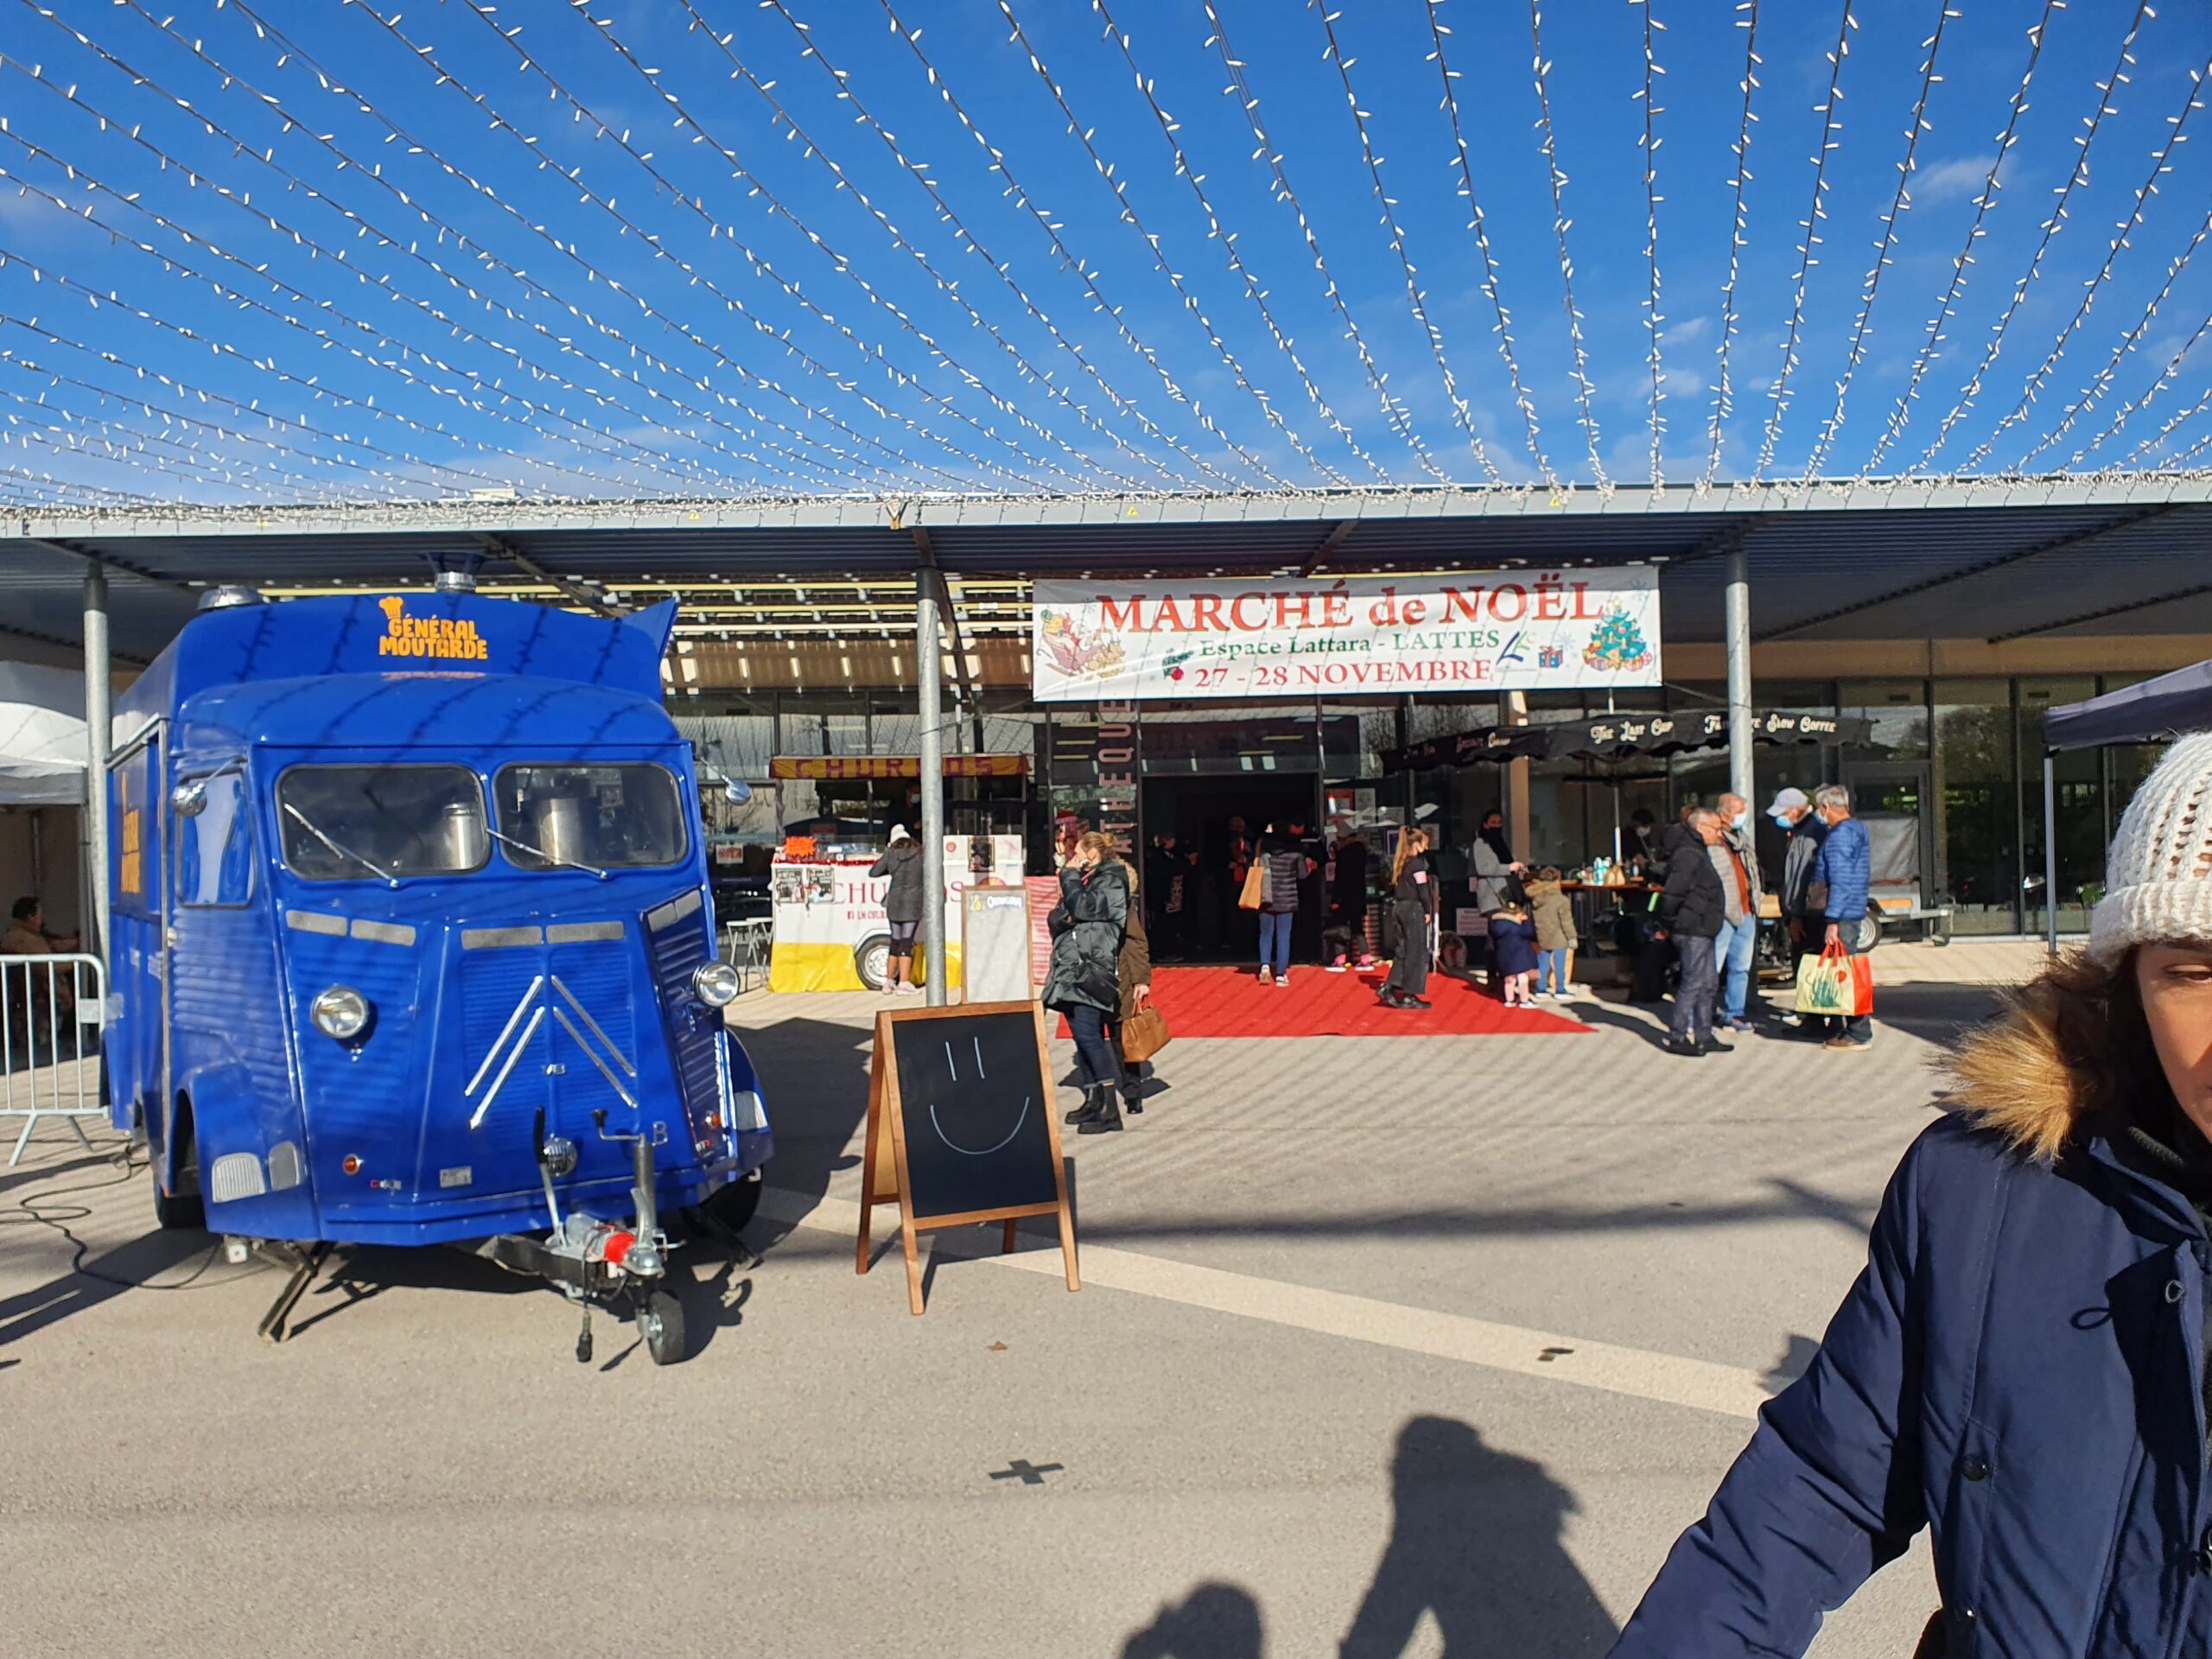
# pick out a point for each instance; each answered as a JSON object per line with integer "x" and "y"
{"x": 456, "y": 582}
{"x": 229, "y": 596}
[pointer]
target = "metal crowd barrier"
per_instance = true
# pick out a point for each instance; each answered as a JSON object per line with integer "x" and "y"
{"x": 747, "y": 949}
{"x": 51, "y": 1011}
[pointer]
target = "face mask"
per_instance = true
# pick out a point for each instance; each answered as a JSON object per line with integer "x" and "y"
{"x": 1782, "y": 822}
{"x": 1741, "y": 819}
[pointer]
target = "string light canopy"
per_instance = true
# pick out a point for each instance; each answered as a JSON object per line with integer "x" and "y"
{"x": 259, "y": 258}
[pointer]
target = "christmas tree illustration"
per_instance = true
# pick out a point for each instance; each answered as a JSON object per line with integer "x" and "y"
{"x": 1617, "y": 644}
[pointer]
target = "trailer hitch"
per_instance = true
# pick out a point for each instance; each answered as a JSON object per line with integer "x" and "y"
{"x": 644, "y": 1257}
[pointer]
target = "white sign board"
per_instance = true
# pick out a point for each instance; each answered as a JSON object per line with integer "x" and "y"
{"x": 1481, "y": 630}
{"x": 994, "y": 945}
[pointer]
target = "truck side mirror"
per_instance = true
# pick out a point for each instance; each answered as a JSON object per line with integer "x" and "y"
{"x": 189, "y": 799}
{"x": 736, "y": 791}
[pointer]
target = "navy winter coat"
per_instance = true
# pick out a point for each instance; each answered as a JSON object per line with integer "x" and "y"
{"x": 2018, "y": 1369}
{"x": 1514, "y": 945}
{"x": 1845, "y": 862}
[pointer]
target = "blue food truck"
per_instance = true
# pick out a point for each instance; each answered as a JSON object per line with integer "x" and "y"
{"x": 412, "y": 945}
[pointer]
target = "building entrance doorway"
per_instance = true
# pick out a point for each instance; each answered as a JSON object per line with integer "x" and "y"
{"x": 1199, "y": 813}
{"x": 1894, "y": 799}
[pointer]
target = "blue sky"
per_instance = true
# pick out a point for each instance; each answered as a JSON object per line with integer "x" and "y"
{"x": 385, "y": 326}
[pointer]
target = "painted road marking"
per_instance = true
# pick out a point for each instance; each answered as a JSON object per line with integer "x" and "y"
{"x": 1669, "y": 1379}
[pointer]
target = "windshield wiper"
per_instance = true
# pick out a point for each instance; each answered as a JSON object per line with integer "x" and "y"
{"x": 300, "y": 818}
{"x": 539, "y": 852}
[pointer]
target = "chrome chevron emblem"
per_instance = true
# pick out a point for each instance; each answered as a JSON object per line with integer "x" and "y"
{"x": 528, "y": 1028}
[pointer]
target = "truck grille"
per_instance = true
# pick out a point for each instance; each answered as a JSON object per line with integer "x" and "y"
{"x": 680, "y": 942}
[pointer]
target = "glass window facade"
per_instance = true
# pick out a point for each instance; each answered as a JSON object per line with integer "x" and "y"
{"x": 1962, "y": 757}
{"x": 1974, "y": 793}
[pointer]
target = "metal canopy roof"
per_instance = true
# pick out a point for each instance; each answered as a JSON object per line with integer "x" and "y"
{"x": 1879, "y": 562}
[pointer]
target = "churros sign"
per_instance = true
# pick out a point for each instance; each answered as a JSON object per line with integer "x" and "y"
{"x": 1481, "y": 630}
{"x": 447, "y": 637}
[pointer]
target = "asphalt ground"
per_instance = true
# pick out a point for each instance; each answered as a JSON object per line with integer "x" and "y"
{"x": 1387, "y": 1346}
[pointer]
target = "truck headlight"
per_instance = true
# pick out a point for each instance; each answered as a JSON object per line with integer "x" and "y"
{"x": 341, "y": 1013}
{"x": 716, "y": 984}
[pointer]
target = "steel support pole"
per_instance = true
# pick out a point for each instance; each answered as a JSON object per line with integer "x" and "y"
{"x": 929, "y": 669}
{"x": 98, "y": 720}
{"x": 1517, "y": 816}
{"x": 1738, "y": 617}
{"x": 2050, "y": 850}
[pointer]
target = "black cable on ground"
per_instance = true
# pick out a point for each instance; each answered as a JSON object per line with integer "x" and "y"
{"x": 128, "y": 1165}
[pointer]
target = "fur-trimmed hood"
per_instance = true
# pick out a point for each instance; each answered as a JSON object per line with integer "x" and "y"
{"x": 2070, "y": 1045}
{"x": 2013, "y": 1077}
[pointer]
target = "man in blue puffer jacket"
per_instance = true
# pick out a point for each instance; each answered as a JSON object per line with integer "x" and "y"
{"x": 2021, "y": 1367}
{"x": 1845, "y": 865}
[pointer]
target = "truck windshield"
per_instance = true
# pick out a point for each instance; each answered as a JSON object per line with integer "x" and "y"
{"x": 343, "y": 822}
{"x": 566, "y": 815}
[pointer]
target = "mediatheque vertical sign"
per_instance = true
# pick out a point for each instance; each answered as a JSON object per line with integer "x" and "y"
{"x": 1507, "y": 631}
{"x": 1094, "y": 778}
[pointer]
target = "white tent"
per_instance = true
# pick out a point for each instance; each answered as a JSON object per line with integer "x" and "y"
{"x": 42, "y": 736}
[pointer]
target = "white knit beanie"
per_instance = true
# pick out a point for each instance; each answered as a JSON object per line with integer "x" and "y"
{"x": 2159, "y": 873}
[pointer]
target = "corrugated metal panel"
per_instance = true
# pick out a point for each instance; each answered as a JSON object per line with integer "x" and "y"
{"x": 677, "y": 950}
{"x": 1804, "y": 559}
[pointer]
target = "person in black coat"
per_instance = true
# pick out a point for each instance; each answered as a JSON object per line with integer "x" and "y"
{"x": 1345, "y": 936}
{"x": 1413, "y": 910}
{"x": 902, "y": 906}
{"x": 1089, "y": 926}
{"x": 1691, "y": 912}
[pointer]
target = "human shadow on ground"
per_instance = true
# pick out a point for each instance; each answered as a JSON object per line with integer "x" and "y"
{"x": 1215, "y": 1621}
{"x": 1605, "y": 1016}
{"x": 1476, "y": 1540}
{"x": 1476, "y": 1543}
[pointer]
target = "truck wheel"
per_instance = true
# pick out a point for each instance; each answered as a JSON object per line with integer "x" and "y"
{"x": 183, "y": 1209}
{"x": 737, "y": 1203}
{"x": 872, "y": 961}
{"x": 660, "y": 1327}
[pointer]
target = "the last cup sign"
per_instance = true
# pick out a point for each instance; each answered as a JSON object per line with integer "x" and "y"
{"x": 1483, "y": 630}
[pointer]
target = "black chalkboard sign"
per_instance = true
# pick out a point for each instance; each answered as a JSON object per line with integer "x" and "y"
{"x": 962, "y": 1126}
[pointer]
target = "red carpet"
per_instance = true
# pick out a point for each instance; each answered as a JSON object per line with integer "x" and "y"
{"x": 1231, "y": 1002}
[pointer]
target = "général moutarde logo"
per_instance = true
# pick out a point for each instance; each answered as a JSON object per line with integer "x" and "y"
{"x": 445, "y": 636}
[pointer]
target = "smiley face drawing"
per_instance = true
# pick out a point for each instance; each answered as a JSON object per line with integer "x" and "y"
{"x": 972, "y": 1094}
{"x": 982, "y": 1075}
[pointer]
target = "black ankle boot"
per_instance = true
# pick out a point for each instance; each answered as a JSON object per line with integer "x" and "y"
{"x": 1108, "y": 1118}
{"x": 1133, "y": 1093}
{"x": 1090, "y": 1107}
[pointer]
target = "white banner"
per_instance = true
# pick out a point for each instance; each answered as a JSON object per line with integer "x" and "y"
{"x": 1481, "y": 630}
